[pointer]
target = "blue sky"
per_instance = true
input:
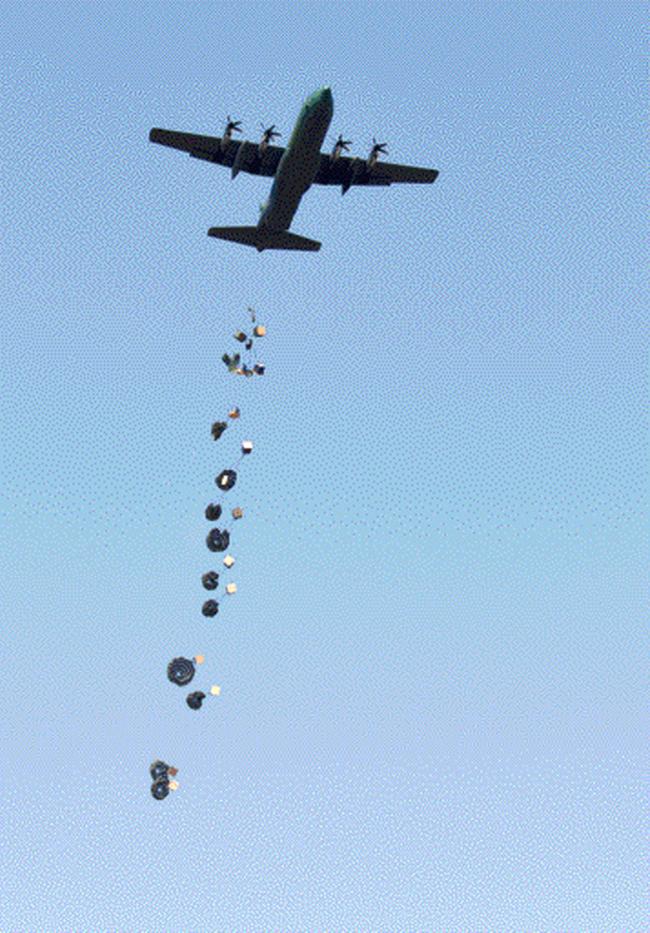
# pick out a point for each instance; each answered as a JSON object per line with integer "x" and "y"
{"x": 432, "y": 673}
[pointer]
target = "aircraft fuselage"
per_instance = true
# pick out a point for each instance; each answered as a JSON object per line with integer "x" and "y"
{"x": 298, "y": 166}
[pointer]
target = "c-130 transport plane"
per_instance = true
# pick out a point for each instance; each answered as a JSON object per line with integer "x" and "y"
{"x": 294, "y": 169}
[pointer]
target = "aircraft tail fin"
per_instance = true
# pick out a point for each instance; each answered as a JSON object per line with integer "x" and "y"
{"x": 261, "y": 239}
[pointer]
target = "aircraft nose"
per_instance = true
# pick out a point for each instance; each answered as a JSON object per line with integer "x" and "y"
{"x": 326, "y": 94}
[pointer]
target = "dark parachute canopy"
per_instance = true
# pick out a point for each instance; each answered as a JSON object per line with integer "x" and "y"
{"x": 210, "y": 608}
{"x": 210, "y": 580}
{"x": 181, "y": 671}
{"x": 232, "y": 362}
{"x": 160, "y": 789}
{"x": 160, "y": 773}
{"x": 195, "y": 700}
{"x": 218, "y": 540}
{"x": 159, "y": 769}
{"x": 218, "y": 428}
{"x": 226, "y": 479}
{"x": 235, "y": 362}
{"x": 213, "y": 512}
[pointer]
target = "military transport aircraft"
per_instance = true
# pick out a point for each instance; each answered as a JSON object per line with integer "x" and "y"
{"x": 294, "y": 169}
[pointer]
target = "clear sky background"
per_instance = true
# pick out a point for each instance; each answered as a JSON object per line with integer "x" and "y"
{"x": 432, "y": 673}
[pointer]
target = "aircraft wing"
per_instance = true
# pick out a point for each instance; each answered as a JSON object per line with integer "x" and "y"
{"x": 346, "y": 171}
{"x": 245, "y": 154}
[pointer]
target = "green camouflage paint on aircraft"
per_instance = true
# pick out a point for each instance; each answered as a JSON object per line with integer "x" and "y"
{"x": 293, "y": 169}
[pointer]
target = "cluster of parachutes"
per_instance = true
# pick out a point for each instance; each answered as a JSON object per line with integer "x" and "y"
{"x": 242, "y": 365}
{"x": 218, "y": 538}
{"x": 161, "y": 773}
{"x": 181, "y": 671}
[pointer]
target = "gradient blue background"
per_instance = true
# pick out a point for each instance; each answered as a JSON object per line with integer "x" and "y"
{"x": 432, "y": 674}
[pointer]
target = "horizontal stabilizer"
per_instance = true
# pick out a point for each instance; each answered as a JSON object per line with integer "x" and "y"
{"x": 262, "y": 239}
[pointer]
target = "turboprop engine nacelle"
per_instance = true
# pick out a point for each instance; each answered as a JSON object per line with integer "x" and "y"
{"x": 232, "y": 126}
{"x": 377, "y": 150}
{"x": 340, "y": 146}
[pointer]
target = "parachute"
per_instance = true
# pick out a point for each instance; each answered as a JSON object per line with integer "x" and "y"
{"x": 218, "y": 540}
{"x": 195, "y": 700}
{"x": 226, "y": 479}
{"x": 243, "y": 365}
{"x": 160, "y": 769}
{"x": 181, "y": 671}
{"x": 161, "y": 773}
{"x": 232, "y": 362}
{"x": 160, "y": 789}
{"x": 210, "y": 580}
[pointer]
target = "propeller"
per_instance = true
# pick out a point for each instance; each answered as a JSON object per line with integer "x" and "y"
{"x": 269, "y": 134}
{"x": 377, "y": 148}
{"x": 343, "y": 144}
{"x": 232, "y": 125}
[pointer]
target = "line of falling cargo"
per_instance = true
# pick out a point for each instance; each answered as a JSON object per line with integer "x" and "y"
{"x": 181, "y": 670}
